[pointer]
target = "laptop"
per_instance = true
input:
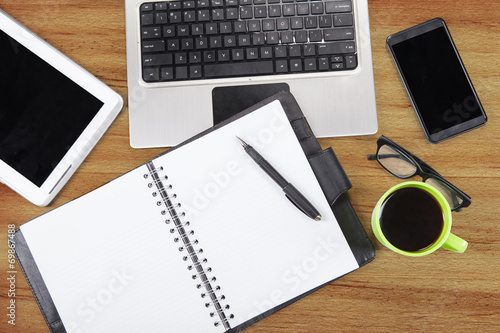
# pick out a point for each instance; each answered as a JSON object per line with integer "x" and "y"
{"x": 187, "y": 60}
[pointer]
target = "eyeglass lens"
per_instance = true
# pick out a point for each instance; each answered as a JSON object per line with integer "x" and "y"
{"x": 402, "y": 167}
{"x": 396, "y": 163}
{"x": 451, "y": 195}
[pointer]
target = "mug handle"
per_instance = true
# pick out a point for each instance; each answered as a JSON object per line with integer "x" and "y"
{"x": 455, "y": 244}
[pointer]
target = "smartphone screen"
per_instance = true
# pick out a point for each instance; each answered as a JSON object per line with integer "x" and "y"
{"x": 436, "y": 80}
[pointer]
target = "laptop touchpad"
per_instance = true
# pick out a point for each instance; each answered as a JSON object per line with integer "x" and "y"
{"x": 228, "y": 101}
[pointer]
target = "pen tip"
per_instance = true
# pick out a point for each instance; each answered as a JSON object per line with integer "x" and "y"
{"x": 243, "y": 143}
{"x": 317, "y": 218}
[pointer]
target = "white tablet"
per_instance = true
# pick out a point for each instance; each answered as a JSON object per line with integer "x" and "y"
{"x": 52, "y": 113}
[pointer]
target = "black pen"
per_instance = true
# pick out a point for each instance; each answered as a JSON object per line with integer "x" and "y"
{"x": 290, "y": 191}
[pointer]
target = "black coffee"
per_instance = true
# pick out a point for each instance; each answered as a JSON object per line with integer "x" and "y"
{"x": 411, "y": 219}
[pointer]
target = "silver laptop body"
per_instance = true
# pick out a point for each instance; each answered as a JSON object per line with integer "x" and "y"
{"x": 335, "y": 103}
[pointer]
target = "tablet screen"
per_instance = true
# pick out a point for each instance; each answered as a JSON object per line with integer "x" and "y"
{"x": 42, "y": 112}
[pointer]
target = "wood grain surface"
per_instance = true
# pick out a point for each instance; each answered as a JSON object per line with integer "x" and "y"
{"x": 441, "y": 292}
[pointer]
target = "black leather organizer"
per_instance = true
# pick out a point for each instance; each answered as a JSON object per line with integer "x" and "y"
{"x": 329, "y": 172}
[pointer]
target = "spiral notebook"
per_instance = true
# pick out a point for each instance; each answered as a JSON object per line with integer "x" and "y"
{"x": 198, "y": 239}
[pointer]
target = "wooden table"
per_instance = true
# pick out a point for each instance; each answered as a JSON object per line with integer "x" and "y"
{"x": 441, "y": 292}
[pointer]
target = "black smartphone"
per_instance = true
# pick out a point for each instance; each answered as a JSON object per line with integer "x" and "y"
{"x": 436, "y": 81}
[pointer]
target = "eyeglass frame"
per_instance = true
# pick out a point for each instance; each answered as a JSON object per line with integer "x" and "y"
{"x": 422, "y": 169}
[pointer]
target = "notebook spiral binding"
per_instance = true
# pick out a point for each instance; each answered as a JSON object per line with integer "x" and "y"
{"x": 186, "y": 245}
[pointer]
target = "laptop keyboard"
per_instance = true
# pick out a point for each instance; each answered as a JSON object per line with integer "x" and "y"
{"x": 208, "y": 39}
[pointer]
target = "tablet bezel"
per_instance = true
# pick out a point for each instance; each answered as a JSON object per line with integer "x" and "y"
{"x": 112, "y": 104}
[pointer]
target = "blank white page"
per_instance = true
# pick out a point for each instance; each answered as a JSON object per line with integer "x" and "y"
{"x": 110, "y": 264}
{"x": 262, "y": 250}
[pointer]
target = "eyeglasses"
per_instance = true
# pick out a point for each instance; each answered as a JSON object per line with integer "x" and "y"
{"x": 403, "y": 164}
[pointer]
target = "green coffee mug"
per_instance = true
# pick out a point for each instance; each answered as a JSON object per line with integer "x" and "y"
{"x": 446, "y": 239}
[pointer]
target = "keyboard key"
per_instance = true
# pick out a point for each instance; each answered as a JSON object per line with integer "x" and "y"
{"x": 203, "y": 4}
{"x": 294, "y": 51}
{"x": 223, "y": 55}
{"x": 272, "y": 38}
{"x": 151, "y": 74}
{"x": 286, "y": 37}
{"x": 232, "y": 13}
{"x": 309, "y": 50}
{"x": 310, "y": 64}
{"x": 209, "y": 56}
{"x": 337, "y": 66}
{"x": 195, "y": 57}
{"x": 189, "y": 16}
{"x": 195, "y": 72}
{"x": 338, "y": 6}
{"x": 281, "y": 66}
{"x": 211, "y": 28}
{"x": 203, "y": 15}
{"x": 238, "y": 54}
{"x": 147, "y": 19}
{"x": 161, "y": 6}
{"x": 316, "y": 35}
{"x": 146, "y": 7}
{"x": 225, "y": 28}
{"x": 153, "y": 32}
{"x": 301, "y": 36}
{"x": 342, "y": 20}
{"x": 280, "y": 51}
{"x": 258, "y": 39}
{"x": 174, "y": 17}
{"x": 297, "y": 23}
{"x": 338, "y": 34}
{"x": 161, "y": 18}
{"x": 246, "y": 12}
{"x": 173, "y": 45}
{"x": 303, "y": 9}
{"x": 323, "y": 64}
{"x": 274, "y": 11}
{"x": 181, "y": 72}
{"x": 325, "y": 21}
{"x": 316, "y": 8}
{"x": 260, "y": 12}
{"x": 201, "y": 43}
{"x": 311, "y": 22}
{"x": 215, "y": 42}
{"x": 182, "y": 30}
{"x": 252, "y": 53}
{"x": 180, "y": 58}
{"x": 169, "y": 31}
{"x": 266, "y": 52}
{"x": 174, "y": 5}
{"x": 296, "y": 65}
{"x": 239, "y": 69}
{"x": 244, "y": 40}
{"x": 254, "y": 26}
{"x": 157, "y": 59}
{"x": 153, "y": 46}
{"x": 218, "y": 14}
{"x": 351, "y": 62}
{"x": 282, "y": 24}
{"x": 229, "y": 41}
{"x": 337, "y": 59}
{"x": 288, "y": 10}
{"x": 167, "y": 73}
{"x": 336, "y": 48}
